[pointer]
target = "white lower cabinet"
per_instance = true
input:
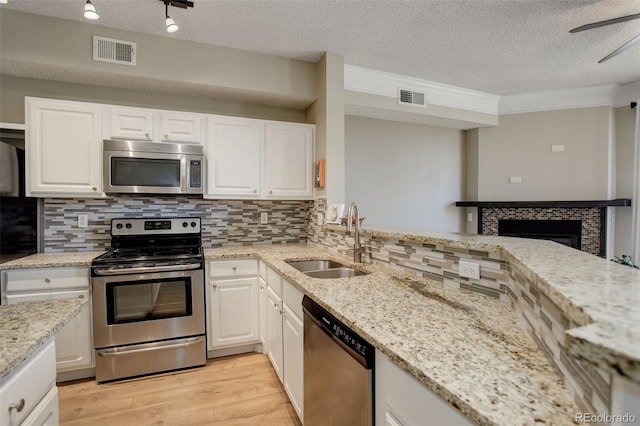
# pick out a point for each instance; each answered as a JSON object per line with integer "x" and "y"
{"x": 74, "y": 341}
{"x": 401, "y": 400}
{"x": 293, "y": 343}
{"x": 285, "y": 333}
{"x": 274, "y": 331}
{"x": 233, "y": 312}
{"x": 28, "y": 395}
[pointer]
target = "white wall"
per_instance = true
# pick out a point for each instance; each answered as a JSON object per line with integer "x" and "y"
{"x": 625, "y": 153}
{"x": 405, "y": 175}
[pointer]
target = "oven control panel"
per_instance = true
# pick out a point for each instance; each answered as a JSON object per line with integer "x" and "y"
{"x": 151, "y": 226}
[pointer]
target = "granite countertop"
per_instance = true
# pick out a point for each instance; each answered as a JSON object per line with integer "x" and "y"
{"x": 52, "y": 260}
{"x": 600, "y": 296}
{"x": 465, "y": 347}
{"x": 24, "y": 327}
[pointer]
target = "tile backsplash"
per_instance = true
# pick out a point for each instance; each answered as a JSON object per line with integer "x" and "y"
{"x": 224, "y": 222}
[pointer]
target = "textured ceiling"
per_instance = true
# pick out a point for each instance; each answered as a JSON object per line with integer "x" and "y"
{"x": 501, "y": 47}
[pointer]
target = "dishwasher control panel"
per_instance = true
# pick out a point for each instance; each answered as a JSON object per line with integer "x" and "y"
{"x": 339, "y": 330}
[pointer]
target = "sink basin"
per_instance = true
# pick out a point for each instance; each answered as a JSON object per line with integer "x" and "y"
{"x": 315, "y": 265}
{"x": 324, "y": 268}
{"x": 335, "y": 273}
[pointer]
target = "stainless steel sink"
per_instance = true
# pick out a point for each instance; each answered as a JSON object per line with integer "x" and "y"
{"x": 315, "y": 264}
{"x": 325, "y": 268}
{"x": 335, "y": 273}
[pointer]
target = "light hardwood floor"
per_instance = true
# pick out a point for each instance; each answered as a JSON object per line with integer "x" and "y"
{"x": 235, "y": 390}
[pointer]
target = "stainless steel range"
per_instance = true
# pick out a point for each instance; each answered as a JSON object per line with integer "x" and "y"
{"x": 148, "y": 298}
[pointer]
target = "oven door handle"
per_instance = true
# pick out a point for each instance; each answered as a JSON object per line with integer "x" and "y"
{"x": 119, "y": 351}
{"x": 120, "y": 271}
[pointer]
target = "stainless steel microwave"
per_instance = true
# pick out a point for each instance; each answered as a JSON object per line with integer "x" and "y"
{"x": 138, "y": 167}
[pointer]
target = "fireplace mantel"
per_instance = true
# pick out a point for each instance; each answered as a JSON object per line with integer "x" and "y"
{"x": 620, "y": 202}
{"x": 592, "y": 213}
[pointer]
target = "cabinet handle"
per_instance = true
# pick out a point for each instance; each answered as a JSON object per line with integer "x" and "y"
{"x": 166, "y": 137}
{"x": 81, "y": 296}
{"x": 18, "y": 407}
{"x": 270, "y": 192}
{"x": 235, "y": 268}
{"x": 214, "y": 286}
{"x": 146, "y": 135}
{"x": 94, "y": 188}
{"x": 47, "y": 280}
{"x": 255, "y": 191}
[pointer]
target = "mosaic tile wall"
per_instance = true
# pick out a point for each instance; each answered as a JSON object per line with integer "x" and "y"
{"x": 590, "y": 218}
{"x": 590, "y": 387}
{"x": 224, "y": 222}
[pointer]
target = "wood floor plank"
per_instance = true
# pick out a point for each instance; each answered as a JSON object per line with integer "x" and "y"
{"x": 235, "y": 390}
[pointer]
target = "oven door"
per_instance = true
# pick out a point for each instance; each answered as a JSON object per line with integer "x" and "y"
{"x": 147, "y": 307}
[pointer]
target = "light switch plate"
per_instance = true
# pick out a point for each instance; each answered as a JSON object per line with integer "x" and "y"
{"x": 515, "y": 179}
{"x": 264, "y": 218}
{"x": 83, "y": 220}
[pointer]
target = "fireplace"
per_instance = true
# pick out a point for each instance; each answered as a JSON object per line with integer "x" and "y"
{"x": 567, "y": 232}
{"x": 550, "y": 220}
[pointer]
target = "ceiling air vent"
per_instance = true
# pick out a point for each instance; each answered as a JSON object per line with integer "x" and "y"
{"x": 114, "y": 51}
{"x": 409, "y": 97}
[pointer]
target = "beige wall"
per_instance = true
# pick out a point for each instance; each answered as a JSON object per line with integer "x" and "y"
{"x": 405, "y": 175}
{"x": 49, "y": 48}
{"x": 14, "y": 89}
{"x": 521, "y": 146}
{"x": 625, "y": 134}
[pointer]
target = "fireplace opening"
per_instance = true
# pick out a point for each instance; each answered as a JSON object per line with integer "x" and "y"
{"x": 567, "y": 232}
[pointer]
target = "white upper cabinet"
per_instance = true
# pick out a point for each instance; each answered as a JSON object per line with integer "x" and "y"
{"x": 63, "y": 148}
{"x": 129, "y": 123}
{"x": 180, "y": 127}
{"x": 289, "y": 160}
{"x": 233, "y": 151}
{"x": 152, "y": 125}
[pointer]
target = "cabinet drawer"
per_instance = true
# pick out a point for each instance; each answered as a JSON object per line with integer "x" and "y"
{"x": 30, "y": 382}
{"x": 46, "y": 279}
{"x": 233, "y": 268}
{"x": 274, "y": 280}
{"x": 292, "y": 297}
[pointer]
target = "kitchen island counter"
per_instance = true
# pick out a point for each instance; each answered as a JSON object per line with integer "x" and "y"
{"x": 465, "y": 347}
{"x": 24, "y": 327}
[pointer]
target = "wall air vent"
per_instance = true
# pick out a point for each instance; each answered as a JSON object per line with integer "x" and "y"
{"x": 114, "y": 51}
{"x": 409, "y": 97}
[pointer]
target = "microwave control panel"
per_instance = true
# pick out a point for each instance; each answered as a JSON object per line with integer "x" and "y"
{"x": 195, "y": 174}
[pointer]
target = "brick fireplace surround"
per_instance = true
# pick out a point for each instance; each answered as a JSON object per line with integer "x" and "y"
{"x": 592, "y": 214}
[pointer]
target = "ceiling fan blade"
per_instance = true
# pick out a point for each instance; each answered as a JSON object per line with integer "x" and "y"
{"x": 607, "y": 22}
{"x": 621, "y": 49}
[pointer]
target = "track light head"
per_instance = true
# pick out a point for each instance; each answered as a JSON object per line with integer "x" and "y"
{"x": 90, "y": 11}
{"x": 172, "y": 27}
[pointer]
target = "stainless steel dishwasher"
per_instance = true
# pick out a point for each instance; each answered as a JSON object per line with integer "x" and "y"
{"x": 338, "y": 371}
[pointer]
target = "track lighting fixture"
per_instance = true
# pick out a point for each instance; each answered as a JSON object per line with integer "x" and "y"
{"x": 172, "y": 27}
{"x": 90, "y": 11}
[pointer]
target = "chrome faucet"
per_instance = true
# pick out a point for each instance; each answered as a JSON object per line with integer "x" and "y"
{"x": 358, "y": 249}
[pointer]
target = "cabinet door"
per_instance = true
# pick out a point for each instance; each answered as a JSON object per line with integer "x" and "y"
{"x": 74, "y": 341}
{"x": 234, "y": 312}
{"x": 63, "y": 148}
{"x": 274, "y": 331}
{"x": 263, "y": 314}
{"x": 289, "y": 160}
{"x": 180, "y": 127}
{"x": 233, "y": 157}
{"x": 130, "y": 123}
{"x": 293, "y": 343}
{"x": 46, "y": 413}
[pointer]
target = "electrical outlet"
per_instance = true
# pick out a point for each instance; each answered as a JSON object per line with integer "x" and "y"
{"x": 83, "y": 220}
{"x": 264, "y": 218}
{"x": 319, "y": 219}
{"x": 469, "y": 269}
{"x": 515, "y": 179}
